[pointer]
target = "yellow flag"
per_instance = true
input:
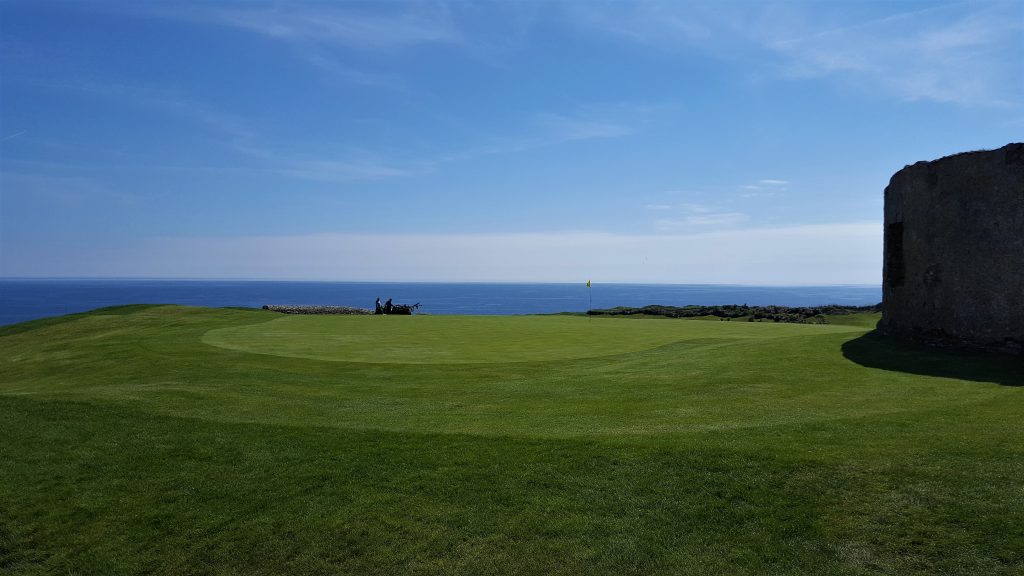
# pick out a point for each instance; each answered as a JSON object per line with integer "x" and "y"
{"x": 588, "y": 283}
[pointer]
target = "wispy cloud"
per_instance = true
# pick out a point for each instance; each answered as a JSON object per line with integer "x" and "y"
{"x": 601, "y": 120}
{"x": 239, "y": 135}
{"x": 234, "y": 128}
{"x": 406, "y": 25}
{"x": 690, "y": 217}
{"x": 347, "y": 74}
{"x": 542, "y": 130}
{"x": 60, "y": 190}
{"x": 347, "y": 166}
{"x": 321, "y": 34}
{"x": 765, "y": 187}
{"x": 591, "y": 122}
{"x": 344, "y": 171}
{"x": 562, "y": 128}
{"x": 716, "y": 220}
{"x": 655, "y": 23}
{"x": 962, "y": 53}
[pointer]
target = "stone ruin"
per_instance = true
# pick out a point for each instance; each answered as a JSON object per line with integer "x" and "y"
{"x": 954, "y": 251}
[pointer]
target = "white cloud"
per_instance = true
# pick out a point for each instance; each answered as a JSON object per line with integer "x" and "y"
{"x": 771, "y": 182}
{"x": 844, "y": 253}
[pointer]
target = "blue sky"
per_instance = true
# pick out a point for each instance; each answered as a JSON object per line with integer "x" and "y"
{"x": 713, "y": 142}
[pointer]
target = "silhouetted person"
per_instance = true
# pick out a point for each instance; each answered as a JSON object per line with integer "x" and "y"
{"x": 388, "y": 307}
{"x": 377, "y": 308}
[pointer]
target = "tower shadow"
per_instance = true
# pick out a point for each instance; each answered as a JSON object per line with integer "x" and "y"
{"x": 876, "y": 351}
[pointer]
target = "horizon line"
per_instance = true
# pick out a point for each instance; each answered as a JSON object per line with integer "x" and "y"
{"x": 508, "y": 282}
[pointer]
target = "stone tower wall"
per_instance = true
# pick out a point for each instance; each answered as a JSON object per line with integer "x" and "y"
{"x": 954, "y": 251}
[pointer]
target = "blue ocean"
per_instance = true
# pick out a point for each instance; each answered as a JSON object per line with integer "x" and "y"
{"x": 22, "y": 300}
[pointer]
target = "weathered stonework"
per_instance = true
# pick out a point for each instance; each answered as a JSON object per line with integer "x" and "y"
{"x": 954, "y": 251}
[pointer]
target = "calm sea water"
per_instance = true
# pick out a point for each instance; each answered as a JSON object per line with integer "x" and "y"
{"x": 22, "y": 300}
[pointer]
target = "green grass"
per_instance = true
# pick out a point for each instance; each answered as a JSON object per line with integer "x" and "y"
{"x": 174, "y": 440}
{"x": 466, "y": 339}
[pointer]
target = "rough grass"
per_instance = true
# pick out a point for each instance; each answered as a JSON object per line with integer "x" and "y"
{"x": 539, "y": 445}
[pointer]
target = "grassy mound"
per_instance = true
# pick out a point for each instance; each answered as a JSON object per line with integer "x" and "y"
{"x": 175, "y": 440}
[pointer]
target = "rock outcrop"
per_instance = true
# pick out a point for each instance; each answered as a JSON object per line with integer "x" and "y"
{"x": 302, "y": 309}
{"x": 954, "y": 251}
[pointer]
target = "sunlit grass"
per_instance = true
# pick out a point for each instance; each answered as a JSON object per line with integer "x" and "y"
{"x": 186, "y": 440}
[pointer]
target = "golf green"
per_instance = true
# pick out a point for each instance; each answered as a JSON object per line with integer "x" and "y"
{"x": 479, "y": 339}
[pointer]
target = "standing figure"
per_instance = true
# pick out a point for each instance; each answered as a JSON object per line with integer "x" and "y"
{"x": 388, "y": 306}
{"x": 377, "y": 309}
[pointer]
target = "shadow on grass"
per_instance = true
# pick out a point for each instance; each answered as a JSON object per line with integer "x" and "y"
{"x": 876, "y": 351}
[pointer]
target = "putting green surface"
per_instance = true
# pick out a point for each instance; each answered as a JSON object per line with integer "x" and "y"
{"x": 479, "y": 339}
{"x": 178, "y": 440}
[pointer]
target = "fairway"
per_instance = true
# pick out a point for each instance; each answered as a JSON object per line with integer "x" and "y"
{"x": 178, "y": 440}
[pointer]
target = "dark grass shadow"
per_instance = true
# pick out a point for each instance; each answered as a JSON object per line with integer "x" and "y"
{"x": 876, "y": 351}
